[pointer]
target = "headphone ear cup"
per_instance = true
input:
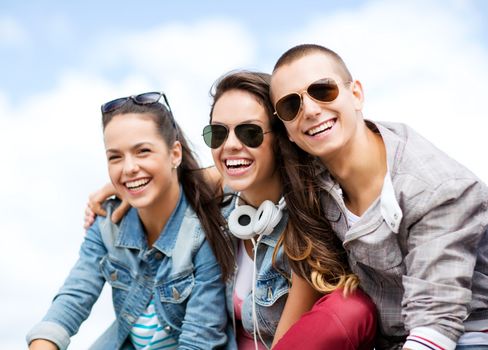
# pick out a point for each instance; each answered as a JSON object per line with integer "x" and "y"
{"x": 241, "y": 222}
{"x": 268, "y": 216}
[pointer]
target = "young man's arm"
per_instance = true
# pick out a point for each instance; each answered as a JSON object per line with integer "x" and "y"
{"x": 442, "y": 251}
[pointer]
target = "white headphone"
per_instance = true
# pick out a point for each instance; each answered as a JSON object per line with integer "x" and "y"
{"x": 245, "y": 222}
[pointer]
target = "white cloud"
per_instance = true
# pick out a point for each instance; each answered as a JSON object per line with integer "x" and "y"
{"x": 56, "y": 158}
{"x": 417, "y": 61}
{"x": 420, "y": 64}
{"x": 11, "y": 32}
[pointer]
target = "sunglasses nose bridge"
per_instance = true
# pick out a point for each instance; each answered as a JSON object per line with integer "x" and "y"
{"x": 232, "y": 140}
{"x": 308, "y": 104}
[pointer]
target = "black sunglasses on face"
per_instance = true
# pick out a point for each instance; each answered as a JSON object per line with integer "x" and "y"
{"x": 251, "y": 135}
{"x": 323, "y": 90}
{"x": 141, "y": 99}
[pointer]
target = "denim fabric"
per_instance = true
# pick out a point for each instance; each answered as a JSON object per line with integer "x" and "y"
{"x": 180, "y": 270}
{"x": 272, "y": 285}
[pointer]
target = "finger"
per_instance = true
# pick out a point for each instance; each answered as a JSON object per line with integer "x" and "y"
{"x": 97, "y": 208}
{"x": 120, "y": 211}
{"x": 88, "y": 222}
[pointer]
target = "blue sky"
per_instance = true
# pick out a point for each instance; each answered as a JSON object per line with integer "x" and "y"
{"x": 420, "y": 62}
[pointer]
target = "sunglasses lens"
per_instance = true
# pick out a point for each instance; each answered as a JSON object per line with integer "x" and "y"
{"x": 287, "y": 108}
{"x": 325, "y": 90}
{"x": 147, "y": 98}
{"x": 114, "y": 104}
{"x": 250, "y": 135}
{"x": 214, "y": 135}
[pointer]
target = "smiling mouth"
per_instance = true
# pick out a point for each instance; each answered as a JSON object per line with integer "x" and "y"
{"x": 321, "y": 128}
{"x": 235, "y": 164}
{"x": 137, "y": 185}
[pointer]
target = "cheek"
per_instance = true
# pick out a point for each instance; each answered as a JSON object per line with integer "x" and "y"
{"x": 266, "y": 158}
{"x": 292, "y": 130}
{"x": 216, "y": 156}
{"x": 114, "y": 173}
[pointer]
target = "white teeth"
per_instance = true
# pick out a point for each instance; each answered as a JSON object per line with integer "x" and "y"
{"x": 237, "y": 162}
{"x": 324, "y": 126}
{"x": 136, "y": 183}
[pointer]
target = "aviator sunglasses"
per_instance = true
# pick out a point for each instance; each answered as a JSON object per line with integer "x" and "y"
{"x": 251, "y": 135}
{"x": 141, "y": 99}
{"x": 323, "y": 90}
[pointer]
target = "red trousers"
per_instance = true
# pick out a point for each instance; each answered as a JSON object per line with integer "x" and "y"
{"x": 334, "y": 323}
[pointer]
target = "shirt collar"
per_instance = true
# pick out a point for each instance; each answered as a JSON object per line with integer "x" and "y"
{"x": 389, "y": 207}
{"x": 132, "y": 233}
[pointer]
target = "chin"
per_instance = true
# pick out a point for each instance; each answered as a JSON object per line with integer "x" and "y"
{"x": 238, "y": 186}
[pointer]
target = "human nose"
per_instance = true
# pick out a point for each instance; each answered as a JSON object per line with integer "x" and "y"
{"x": 232, "y": 140}
{"x": 130, "y": 166}
{"x": 310, "y": 107}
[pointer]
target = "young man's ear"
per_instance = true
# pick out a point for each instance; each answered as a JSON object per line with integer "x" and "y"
{"x": 357, "y": 92}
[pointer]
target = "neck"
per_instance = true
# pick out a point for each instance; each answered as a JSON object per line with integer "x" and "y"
{"x": 270, "y": 190}
{"x": 155, "y": 217}
{"x": 360, "y": 169}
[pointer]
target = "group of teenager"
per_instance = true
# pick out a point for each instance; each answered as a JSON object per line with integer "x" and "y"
{"x": 316, "y": 229}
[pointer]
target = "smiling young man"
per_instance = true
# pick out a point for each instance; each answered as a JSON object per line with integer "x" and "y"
{"x": 412, "y": 220}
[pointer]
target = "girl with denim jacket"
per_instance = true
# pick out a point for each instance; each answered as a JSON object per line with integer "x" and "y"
{"x": 167, "y": 284}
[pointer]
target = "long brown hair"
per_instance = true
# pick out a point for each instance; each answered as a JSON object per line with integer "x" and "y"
{"x": 314, "y": 251}
{"x": 198, "y": 192}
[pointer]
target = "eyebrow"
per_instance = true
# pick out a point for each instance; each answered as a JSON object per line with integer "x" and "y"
{"x": 136, "y": 146}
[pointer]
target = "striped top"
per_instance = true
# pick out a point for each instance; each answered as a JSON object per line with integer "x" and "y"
{"x": 148, "y": 334}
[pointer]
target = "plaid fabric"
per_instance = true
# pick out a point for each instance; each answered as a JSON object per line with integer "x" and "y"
{"x": 416, "y": 247}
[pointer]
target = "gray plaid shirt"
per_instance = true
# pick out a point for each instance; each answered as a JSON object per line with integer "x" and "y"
{"x": 421, "y": 249}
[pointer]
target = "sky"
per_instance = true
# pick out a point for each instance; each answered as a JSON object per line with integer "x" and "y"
{"x": 421, "y": 62}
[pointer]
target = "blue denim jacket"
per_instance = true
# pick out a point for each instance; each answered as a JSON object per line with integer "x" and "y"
{"x": 272, "y": 284}
{"x": 180, "y": 271}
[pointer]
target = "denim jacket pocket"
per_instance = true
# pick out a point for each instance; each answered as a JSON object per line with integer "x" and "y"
{"x": 177, "y": 288}
{"x": 115, "y": 273}
{"x": 270, "y": 288}
{"x": 378, "y": 248}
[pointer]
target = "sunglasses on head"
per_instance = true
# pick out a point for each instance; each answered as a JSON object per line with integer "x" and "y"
{"x": 141, "y": 99}
{"x": 251, "y": 135}
{"x": 323, "y": 90}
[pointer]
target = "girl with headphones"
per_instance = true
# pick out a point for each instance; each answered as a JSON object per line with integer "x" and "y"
{"x": 264, "y": 297}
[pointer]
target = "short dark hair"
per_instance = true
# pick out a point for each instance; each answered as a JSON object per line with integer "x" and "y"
{"x": 302, "y": 50}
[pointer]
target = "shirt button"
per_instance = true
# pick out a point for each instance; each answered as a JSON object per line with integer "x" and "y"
{"x": 113, "y": 276}
{"x": 167, "y": 329}
{"x": 158, "y": 255}
{"x": 395, "y": 216}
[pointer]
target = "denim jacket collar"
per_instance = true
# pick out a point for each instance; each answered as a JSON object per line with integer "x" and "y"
{"x": 132, "y": 233}
{"x": 274, "y": 236}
